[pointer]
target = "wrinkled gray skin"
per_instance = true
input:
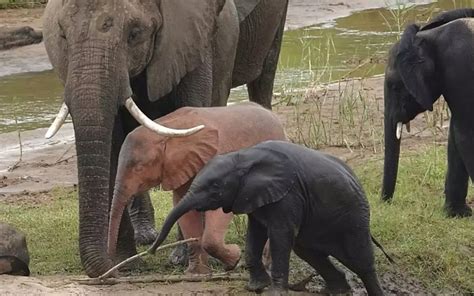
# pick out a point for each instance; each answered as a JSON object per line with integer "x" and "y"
{"x": 299, "y": 199}
{"x": 435, "y": 60}
{"x": 167, "y": 54}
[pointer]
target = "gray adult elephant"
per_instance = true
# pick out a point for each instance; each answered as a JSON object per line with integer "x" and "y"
{"x": 157, "y": 56}
{"x": 430, "y": 61}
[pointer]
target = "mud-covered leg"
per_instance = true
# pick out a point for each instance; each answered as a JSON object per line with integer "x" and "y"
{"x": 256, "y": 238}
{"x": 335, "y": 279}
{"x": 213, "y": 239}
{"x": 261, "y": 89}
{"x": 357, "y": 254}
{"x": 142, "y": 215}
{"x": 281, "y": 241}
{"x": 457, "y": 178}
{"x": 191, "y": 225}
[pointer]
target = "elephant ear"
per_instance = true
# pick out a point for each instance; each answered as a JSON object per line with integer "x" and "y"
{"x": 416, "y": 65}
{"x": 245, "y": 7}
{"x": 184, "y": 157}
{"x": 181, "y": 44}
{"x": 56, "y": 46}
{"x": 267, "y": 177}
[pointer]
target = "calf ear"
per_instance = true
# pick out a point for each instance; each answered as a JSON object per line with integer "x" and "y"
{"x": 416, "y": 65}
{"x": 185, "y": 157}
{"x": 267, "y": 177}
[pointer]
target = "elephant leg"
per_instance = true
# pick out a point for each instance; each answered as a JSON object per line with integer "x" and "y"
{"x": 256, "y": 237}
{"x": 216, "y": 225}
{"x": 225, "y": 48}
{"x": 456, "y": 184}
{"x": 261, "y": 89}
{"x": 142, "y": 215}
{"x": 336, "y": 282}
{"x": 191, "y": 225}
{"x": 357, "y": 253}
{"x": 281, "y": 241}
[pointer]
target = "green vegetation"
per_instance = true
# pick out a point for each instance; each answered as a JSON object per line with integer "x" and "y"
{"x": 437, "y": 250}
{"x": 21, "y": 3}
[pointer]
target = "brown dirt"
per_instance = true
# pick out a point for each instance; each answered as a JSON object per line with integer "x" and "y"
{"x": 21, "y": 17}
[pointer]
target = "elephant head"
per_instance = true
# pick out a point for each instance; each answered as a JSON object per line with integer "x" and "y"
{"x": 96, "y": 47}
{"x": 238, "y": 182}
{"x": 412, "y": 85}
{"x": 147, "y": 160}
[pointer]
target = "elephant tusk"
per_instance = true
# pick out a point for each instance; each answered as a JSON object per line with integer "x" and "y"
{"x": 398, "y": 132}
{"x": 159, "y": 129}
{"x": 58, "y": 121}
{"x": 407, "y": 126}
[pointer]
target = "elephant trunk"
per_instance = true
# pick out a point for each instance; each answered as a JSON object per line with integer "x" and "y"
{"x": 119, "y": 203}
{"x": 188, "y": 203}
{"x": 91, "y": 95}
{"x": 392, "y": 154}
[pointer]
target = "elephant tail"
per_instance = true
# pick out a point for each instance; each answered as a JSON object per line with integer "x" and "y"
{"x": 382, "y": 249}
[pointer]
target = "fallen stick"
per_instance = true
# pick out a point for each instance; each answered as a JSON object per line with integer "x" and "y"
{"x": 164, "y": 278}
{"x": 142, "y": 254}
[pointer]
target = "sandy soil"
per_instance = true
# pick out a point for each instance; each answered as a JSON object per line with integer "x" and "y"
{"x": 46, "y": 164}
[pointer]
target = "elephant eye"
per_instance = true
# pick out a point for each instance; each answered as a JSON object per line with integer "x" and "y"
{"x": 134, "y": 34}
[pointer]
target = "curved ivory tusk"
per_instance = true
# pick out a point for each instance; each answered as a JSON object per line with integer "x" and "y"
{"x": 398, "y": 132}
{"x": 58, "y": 121}
{"x": 159, "y": 129}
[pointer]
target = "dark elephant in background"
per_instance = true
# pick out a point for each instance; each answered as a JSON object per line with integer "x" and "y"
{"x": 435, "y": 60}
{"x": 299, "y": 199}
{"x": 152, "y": 57}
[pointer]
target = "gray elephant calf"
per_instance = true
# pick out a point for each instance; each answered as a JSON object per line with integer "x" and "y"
{"x": 297, "y": 198}
{"x": 14, "y": 257}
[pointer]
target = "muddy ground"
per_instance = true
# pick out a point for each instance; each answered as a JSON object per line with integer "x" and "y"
{"x": 29, "y": 173}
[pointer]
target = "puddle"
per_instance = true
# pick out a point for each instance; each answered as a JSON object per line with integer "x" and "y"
{"x": 353, "y": 46}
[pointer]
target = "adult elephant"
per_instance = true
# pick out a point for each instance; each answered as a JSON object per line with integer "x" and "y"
{"x": 435, "y": 60}
{"x": 153, "y": 55}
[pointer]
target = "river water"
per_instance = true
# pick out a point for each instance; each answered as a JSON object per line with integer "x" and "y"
{"x": 353, "y": 46}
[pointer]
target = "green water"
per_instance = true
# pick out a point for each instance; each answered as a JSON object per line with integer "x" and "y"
{"x": 353, "y": 46}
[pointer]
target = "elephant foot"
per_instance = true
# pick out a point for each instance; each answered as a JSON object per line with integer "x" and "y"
{"x": 458, "y": 211}
{"x": 233, "y": 259}
{"x": 145, "y": 235}
{"x": 179, "y": 255}
{"x": 259, "y": 282}
{"x": 198, "y": 261}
